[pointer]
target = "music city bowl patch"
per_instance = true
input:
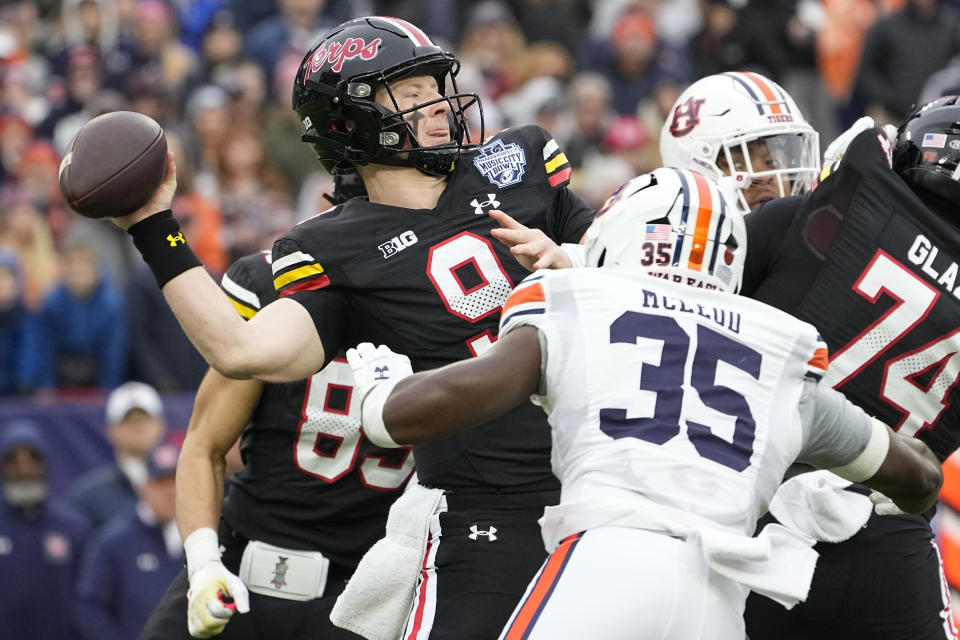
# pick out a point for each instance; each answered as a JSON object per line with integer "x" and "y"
{"x": 502, "y": 164}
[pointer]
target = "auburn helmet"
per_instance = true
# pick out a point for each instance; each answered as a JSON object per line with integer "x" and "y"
{"x": 720, "y": 119}
{"x": 672, "y": 223}
{"x": 333, "y": 95}
{"x": 927, "y": 151}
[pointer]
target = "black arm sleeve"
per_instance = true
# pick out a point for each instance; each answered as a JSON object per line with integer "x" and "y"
{"x": 331, "y": 318}
{"x": 766, "y": 233}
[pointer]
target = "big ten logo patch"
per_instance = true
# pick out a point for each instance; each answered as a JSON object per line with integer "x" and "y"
{"x": 396, "y": 244}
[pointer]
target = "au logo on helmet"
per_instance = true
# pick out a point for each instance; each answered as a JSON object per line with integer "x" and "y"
{"x": 686, "y": 116}
{"x": 336, "y": 53}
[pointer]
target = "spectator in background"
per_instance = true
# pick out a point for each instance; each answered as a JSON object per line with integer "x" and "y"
{"x": 590, "y": 112}
{"x": 901, "y": 51}
{"x": 157, "y": 45}
{"x": 83, "y": 332}
{"x": 18, "y": 329}
{"x": 135, "y": 424}
{"x": 16, "y": 134}
{"x": 41, "y": 541}
{"x": 94, "y": 23}
{"x": 636, "y": 62}
{"x": 838, "y": 47}
{"x": 221, "y": 45}
{"x": 492, "y": 42}
{"x": 293, "y": 29}
{"x": 24, "y": 230}
{"x": 84, "y": 80}
{"x": 128, "y": 563}
{"x": 207, "y": 126}
{"x": 628, "y": 139}
{"x": 39, "y": 175}
{"x": 149, "y": 95}
{"x": 252, "y": 195}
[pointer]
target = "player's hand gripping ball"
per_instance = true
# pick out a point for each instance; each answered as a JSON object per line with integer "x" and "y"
{"x": 113, "y": 165}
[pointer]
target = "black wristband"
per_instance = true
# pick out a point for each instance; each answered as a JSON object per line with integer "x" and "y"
{"x": 163, "y": 247}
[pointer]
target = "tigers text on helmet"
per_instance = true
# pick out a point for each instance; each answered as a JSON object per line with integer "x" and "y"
{"x": 674, "y": 224}
{"x": 746, "y": 126}
{"x": 927, "y": 151}
{"x": 334, "y": 97}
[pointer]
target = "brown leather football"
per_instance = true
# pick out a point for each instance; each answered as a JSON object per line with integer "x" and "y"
{"x": 113, "y": 165}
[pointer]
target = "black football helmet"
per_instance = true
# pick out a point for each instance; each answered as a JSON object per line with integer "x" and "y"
{"x": 927, "y": 151}
{"x": 336, "y": 85}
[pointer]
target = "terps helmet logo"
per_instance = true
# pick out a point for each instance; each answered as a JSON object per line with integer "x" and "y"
{"x": 336, "y": 53}
{"x": 686, "y": 116}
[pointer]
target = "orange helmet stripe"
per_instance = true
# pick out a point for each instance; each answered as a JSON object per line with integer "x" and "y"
{"x": 704, "y": 215}
{"x": 766, "y": 90}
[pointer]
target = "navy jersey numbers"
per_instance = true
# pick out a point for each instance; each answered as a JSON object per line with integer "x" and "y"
{"x": 663, "y": 374}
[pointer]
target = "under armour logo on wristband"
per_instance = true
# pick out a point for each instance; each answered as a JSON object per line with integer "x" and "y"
{"x": 174, "y": 239}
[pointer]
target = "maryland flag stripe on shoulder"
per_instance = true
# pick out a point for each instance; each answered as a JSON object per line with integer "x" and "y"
{"x": 298, "y": 271}
{"x": 246, "y": 302}
{"x": 556, "y": 164}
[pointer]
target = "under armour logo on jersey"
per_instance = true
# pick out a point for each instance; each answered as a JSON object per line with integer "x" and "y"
{"x": 686, "y": 116}
{"x": 381, "y": 372}
{"x": 174, "y": 239}
{"x": 491, "y": 202}
{"x": 476, "y": 532}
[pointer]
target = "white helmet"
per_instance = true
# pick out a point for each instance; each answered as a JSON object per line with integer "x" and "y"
{"x": 715, "y": 119}
{"x": 674, "y": 224}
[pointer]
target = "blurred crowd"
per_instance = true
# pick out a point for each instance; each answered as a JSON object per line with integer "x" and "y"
{"x": 78, "y": 310}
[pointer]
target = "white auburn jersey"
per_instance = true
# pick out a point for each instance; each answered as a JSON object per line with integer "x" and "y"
{"x": 673, "y": 408}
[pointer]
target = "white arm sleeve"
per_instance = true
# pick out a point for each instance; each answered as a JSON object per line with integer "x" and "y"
{"x": 838, "y": 435}
{"x": 577, "y": 253}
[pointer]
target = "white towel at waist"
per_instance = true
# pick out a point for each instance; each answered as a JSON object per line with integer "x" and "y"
{"x": 378, "y": 598}
{"x": 777, "y": 563}
{"x": 817, "y": 505}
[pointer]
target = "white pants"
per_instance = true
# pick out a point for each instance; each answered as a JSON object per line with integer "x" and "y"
{"x": 615, "y": 583}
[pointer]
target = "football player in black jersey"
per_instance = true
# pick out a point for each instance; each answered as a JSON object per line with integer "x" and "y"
{"x": 312, "y": 488}
{"x": 414, "y": 267}
{"x": 870, "y": 257}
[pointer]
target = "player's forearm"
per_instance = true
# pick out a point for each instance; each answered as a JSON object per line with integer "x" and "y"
{"x": 910, "y": 475}
{"x": 221, "y": 410}
{"x": 199, "y": 491}
{"x": 434, "y": 404}
{"x": 214, "y": 327}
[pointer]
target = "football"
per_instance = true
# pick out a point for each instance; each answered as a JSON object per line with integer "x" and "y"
{"x": 113, "y": 165}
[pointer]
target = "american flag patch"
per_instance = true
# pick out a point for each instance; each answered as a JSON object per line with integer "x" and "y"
{"x": 658, "y": 233}
{"x": 938, "y": 140}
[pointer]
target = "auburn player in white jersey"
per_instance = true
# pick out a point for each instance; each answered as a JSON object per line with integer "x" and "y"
{"x": 675, "y": 407}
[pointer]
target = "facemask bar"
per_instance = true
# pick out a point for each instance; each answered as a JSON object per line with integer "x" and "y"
{"x": 790, "y": 162}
